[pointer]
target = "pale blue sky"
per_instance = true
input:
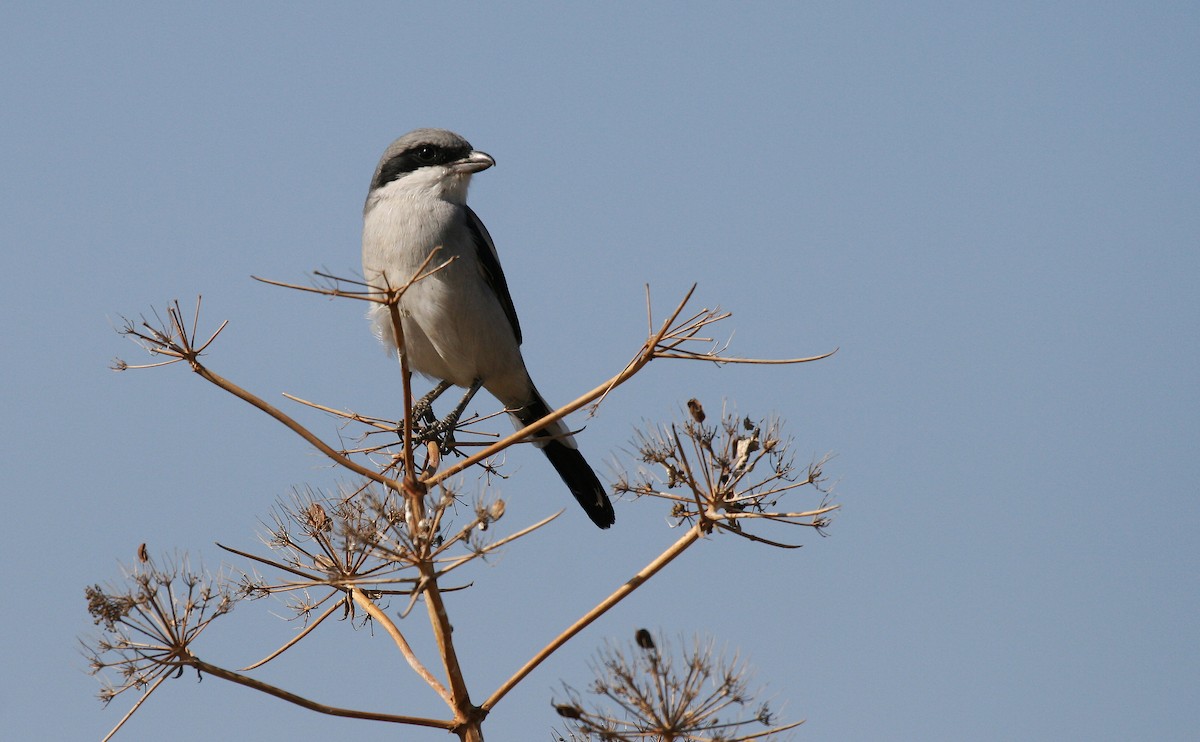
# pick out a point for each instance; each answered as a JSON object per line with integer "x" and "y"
{"x": 992, "y": 209}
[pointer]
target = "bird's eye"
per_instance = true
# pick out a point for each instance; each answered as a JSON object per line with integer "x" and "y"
{"x": 426, "y": 153}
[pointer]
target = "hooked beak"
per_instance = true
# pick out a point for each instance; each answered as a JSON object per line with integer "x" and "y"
{"x": 473, "y": 162}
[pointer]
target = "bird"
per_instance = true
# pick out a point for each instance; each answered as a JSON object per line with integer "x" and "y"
{"x": 459, "y": 324}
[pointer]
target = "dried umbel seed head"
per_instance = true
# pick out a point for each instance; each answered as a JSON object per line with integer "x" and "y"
{"x": 496, "y": 511}
{"x": 318, "y": 519}
{"x": 710, "y": 695}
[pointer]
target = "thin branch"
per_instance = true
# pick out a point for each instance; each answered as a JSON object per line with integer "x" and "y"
{"x": 459, "y": 561}
{"x": 752, "y": 537}
{"x": 460, "y": 699}
{"x": 370, "y": 293}
{"x": 651, "y": 569}
{"x": 402, "y": 644}
{"x": 270, "y": 563}
{"x": 725, "y": 359}
{"x": 374, "y": 422}
{"x": 136, "y": 706}
{"x": 360, "y": 295}
{"x": 760, "y": 735}
{"x": 412, "y": 491}
{"x": 296, "y": 639}
{"x": 781, "y": 516}
{"x": 290, "y": 697}
{"x": 292, "y": 425}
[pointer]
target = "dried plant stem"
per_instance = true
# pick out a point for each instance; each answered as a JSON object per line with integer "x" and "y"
{"x": 298, "y": 637}
{"x": 414, "y": 491}
{"x": 772, "y": 730}
{"x": 750, "y": 361}
{"x": 402, "y": 644}
{"x": 454, "y": 562}
{"x": 726, "y": 515}
{"x": 468, "y": 717}
{"x": 321, "y": 708}
{"x": 136, "y": 706}
{"x": 292, "y": 425}
{"x": 334, "y": 292}
{"x": 345, "y": 414}
{"x": 406, "y": 380}
{"x": 693, "y": 534}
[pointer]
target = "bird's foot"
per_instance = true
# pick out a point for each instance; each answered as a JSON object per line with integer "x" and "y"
{"x": 438, "y": 431}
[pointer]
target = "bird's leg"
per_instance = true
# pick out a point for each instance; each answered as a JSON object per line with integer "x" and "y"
{"x": 445, "y": 426}
{"x": 423, "y": 408}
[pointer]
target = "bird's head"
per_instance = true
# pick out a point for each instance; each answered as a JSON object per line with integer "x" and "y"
{"x": 431, "y": 162}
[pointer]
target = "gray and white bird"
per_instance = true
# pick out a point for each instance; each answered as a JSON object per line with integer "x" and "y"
{"x": 460, "y": 326}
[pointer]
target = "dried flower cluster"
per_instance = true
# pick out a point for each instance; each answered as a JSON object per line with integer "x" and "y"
{"x": 648, "y": 693}
{"x": 370, "y": 540}
{"x": 724, "y": 474}
{"x": 149, "y": 622}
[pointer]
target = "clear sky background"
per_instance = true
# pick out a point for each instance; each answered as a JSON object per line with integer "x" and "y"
{"x": 993, "y": 210}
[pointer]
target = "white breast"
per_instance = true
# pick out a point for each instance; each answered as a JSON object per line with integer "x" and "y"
{"x": 454, "y": 326}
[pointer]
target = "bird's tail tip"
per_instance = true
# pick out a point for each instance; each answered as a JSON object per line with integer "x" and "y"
{"x": 582, "y": 481}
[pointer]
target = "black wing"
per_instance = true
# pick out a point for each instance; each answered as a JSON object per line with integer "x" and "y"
{"x": 489, "y": 263}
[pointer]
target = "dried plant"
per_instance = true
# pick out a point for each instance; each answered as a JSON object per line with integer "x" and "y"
{"x": 726, "y": 474}
{"x": 149, "y": 622}
{"x": 383, "y": 545}
{"x": 645, "y": 692}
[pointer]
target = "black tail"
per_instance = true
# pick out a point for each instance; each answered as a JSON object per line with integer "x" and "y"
{"x": 582, "y": 482}
{"x": 558, "y": 446}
